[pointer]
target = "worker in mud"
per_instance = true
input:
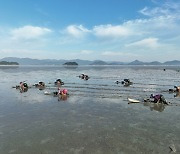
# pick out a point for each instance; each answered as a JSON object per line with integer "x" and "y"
{"x": 59, "y": 82}
{"x": 158, "y": 98}
{"x": 62, "y": 94}
{"x": 86, "y": 77}
{"x": 23, "y": 86}
{"x": 177, "y": 88}
{"x": 82, "y": 76}
{"x": 40, "y": 85}
{"x": 126, "y": 82}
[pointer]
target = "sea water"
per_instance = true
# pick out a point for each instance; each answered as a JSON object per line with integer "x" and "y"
{"x": 96, "y": 117}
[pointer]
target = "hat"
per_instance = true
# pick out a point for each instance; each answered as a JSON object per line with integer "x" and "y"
{"x": 65, "y": 91}
{"x": 152, "y": 95}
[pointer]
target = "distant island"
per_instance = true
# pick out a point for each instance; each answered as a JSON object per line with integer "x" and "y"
{"x": 70, "y": 63}
{"x": 8, "y": 63}
{"x": 76, "y": 62}
{"x": 99, "y": 62}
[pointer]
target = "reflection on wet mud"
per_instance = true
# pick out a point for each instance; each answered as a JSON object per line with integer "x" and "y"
{"x": 30, "y": 68}
{"x": 9, "y": 67}
{"x": 155, "y": 106}
{"x": 71, "y": 67}
{"x": 23, "y": 90}
{"x": 62, "y": 98}
{"x": 177, "y": 94}
{"x": 95, "y": 118}
{"x": 32, "y": 96}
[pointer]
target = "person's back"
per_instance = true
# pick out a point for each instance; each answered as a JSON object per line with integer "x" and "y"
{"x": 23, "y": 87}
{"x": 59, "y": 82}
{"x": 156, "y": 98}
{"x": 127, "y": 80}
{"x": 86, "y": 77}
{"x": 83, "y": 76}
{"x": 41, "y": 83}
{"x": 177, "y": 88}
{"x": 64, "y": 92}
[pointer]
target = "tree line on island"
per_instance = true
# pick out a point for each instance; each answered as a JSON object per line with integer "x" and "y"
{"x": 8, "y": 63}
{"x": 70, "y": 63}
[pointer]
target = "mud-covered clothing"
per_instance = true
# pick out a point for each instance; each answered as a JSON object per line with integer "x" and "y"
{"x": 159, "y": 98}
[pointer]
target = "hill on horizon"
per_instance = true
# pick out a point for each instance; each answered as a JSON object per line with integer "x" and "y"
{"x": 30, "y": 61}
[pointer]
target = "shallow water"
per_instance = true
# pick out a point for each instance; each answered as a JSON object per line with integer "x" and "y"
{"x": 96, "y": 117}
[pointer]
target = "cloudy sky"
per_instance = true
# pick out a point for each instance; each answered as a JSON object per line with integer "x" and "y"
{"x": 111, "y": 30}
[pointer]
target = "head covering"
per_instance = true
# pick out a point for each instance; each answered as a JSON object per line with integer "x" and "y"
{"x": 65, "y": 91}
{"x": 58, "y": 80}
{"x": 152, "y": 95}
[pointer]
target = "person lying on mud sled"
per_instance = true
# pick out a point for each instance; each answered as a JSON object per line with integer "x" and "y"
{"x": 158, "y": 98}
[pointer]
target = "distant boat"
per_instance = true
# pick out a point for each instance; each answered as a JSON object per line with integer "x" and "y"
{"x": 133, "y": 100}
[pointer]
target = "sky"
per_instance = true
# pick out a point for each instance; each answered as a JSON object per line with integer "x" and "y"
{"x": 110, "y": 30}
